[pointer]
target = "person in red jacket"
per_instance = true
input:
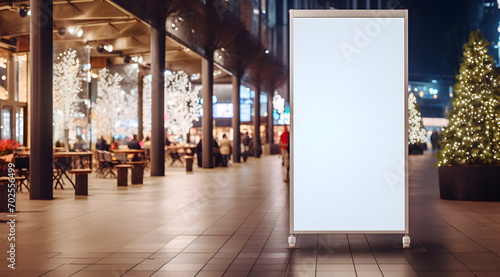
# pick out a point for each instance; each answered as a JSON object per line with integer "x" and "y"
{"x": 284, "y": 147}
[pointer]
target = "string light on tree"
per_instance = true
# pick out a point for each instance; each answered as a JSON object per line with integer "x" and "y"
{"x": 473, "y": 134}
{"x": 182, "y": 104}
{"x": 416, "y": 131}
{"x": 66, "y": 87}
{"x": 112, "y": 104}
{"x": 146, "y": 104}
{"x": 278, "y": 103}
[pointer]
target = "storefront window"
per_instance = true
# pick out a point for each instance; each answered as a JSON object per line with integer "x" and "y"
{"x": 6, "y": 116}
{"x": 22, "y": 78}
{"x": 4, "y": 94}
{"x": 20, "y": 125}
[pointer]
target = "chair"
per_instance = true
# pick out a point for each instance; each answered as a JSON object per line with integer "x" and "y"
{"x": 109, "y": 164}
{"x": 62, "y": 165}
{"x": 101, "y": 163}
{"x": 121, "y": 157}
{"x": 175, "y": 157}
{"x": 22, "y": 170}
{"x": 147, "y": 157}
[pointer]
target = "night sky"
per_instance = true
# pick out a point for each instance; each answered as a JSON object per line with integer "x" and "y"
{"x": 437, "y": 31}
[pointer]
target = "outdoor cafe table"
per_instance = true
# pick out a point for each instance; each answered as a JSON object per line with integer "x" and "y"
{"x": 175, "y": 154}
{"x": 68, "y": 154}
{"x": 61, "y": 170}
{"x": 175, "y": 148}
{"x": 121, "y": 154}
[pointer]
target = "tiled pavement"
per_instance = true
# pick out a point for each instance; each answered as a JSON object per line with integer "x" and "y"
{"x": 234, "y": 222}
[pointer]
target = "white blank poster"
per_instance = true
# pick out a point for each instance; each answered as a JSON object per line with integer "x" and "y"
{"x": 348, "y": 129}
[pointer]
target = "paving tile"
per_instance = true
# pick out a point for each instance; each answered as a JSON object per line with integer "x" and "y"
{"x": 480, "y": 261}
{"x": 335, "y": 267}
{"x": 175, "y": 273}
{"x": 337, "y": 273}
{"x": 301, "y": 274}
{"x": 369, "y": 273}
{"x": 446, "y": 274}
{"x": 139, "y": 273}
{"x": 210, "y": 273}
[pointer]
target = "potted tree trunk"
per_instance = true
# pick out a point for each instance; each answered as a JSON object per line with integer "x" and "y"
{"x": 469, "y": 159}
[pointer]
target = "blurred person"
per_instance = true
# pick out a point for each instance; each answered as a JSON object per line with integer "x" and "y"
{"x": 199, "y": 153}
{"x": 245, "y": 141}
{"x": 134, "y": 144}
{"x": 146, "y": 143}
{"x": 80, "y": 144}
{"x": 284, "y": 151}
{"x": 217, "y": 155}
{"x": 434, "y": 141}
{"x": 225, "y": 150}
{"x": 102, "y": 144}
{"x": 114, "y": 144}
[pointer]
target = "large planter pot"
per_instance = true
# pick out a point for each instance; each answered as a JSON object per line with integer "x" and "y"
{"x": 416, "y": 149}
{"x": 469, "y": 182}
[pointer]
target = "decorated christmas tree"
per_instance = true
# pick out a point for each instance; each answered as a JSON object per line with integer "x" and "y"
{"x": 66, "y": 87}
{"x": 182, "y": 104}
{"x": 416, "y": 131}
{"x": 473, "y": 133}
{"x": 110, "y": 102}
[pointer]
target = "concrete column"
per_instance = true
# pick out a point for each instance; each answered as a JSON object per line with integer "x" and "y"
{"x": 270, "y": 123}
{"x": 256, "y": 120}
{"x": 207, "y": 82}
{"x": 41, "y": 99}
{"x": 157, "y": 99}
{"x": 236, "y": 119}
{"x": 354, "y": 4}
{"x": 367, "y": 4}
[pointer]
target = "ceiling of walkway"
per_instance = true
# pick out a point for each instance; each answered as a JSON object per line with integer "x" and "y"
{"x": 102, "y": 23}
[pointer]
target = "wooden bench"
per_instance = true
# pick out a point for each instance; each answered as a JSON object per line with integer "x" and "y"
{"x": 122, "y": 179}
{"x": 81, "y": 181}
{"x": 19, "y": 180}
{"x": 137, "y": 172}
{"x": 4, "y": 195}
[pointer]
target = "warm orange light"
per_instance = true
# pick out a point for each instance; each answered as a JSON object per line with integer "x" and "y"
{"x": 435, "y": 96}
{"x": 421, "y": 94}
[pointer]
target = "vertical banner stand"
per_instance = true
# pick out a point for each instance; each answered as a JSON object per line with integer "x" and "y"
{"x": 349, "y": 82}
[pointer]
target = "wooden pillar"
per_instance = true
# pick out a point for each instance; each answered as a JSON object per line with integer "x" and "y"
{"x": 270, "y": 120}
{"x": 41, "y": 99}
{"x": 158, "y": 34}
{"x": 256, "y": 120}
{"x": 236, "y": 119}
{"x": 207, "y": 82}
